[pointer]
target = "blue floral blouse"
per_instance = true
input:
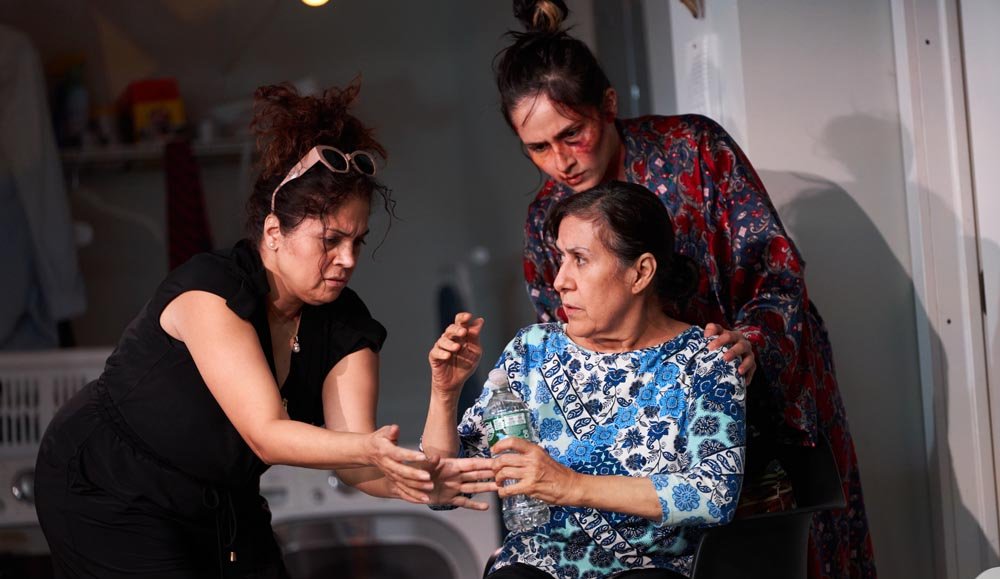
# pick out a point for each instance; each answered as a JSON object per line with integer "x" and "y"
{"x": 673, "y": 413}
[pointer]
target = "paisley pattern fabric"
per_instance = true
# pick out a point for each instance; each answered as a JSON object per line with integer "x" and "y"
{"x": 673, "y": 413}
{"x": 751, "y": 280}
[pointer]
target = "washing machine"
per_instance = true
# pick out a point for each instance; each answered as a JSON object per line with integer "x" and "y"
{"x": 328, "y": 529}
{"x": 33, "y": 385}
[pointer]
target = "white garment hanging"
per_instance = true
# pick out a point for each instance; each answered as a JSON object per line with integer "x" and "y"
{"x": 28, "y": 155}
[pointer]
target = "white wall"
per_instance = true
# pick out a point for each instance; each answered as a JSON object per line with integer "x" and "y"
{"x": 824, "y": 123}
{"x": 660, "y": 57}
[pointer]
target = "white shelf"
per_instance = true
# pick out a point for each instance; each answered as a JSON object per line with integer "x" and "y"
{"x": 149, "y": 152}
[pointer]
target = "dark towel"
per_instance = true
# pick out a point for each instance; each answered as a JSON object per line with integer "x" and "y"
{"x": 187, "y": 222}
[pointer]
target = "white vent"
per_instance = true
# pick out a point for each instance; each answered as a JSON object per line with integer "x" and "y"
{"x": 33, "y": 385}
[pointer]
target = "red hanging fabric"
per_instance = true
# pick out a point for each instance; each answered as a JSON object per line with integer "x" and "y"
{"x": 187, "y": 220}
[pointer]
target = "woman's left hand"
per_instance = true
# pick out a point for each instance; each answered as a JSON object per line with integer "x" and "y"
{"x": 537, "y": 474}
{"x": 456, "y": 354}
{"x": 454, "y": 478}
{"x": 738, "y": 346}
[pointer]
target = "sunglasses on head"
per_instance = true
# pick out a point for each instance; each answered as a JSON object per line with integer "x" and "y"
{"x": 333, "y": 159}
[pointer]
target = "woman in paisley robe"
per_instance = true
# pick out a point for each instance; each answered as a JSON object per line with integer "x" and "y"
{"x": 641, "y": 425}
{"x": 751, "y": 290}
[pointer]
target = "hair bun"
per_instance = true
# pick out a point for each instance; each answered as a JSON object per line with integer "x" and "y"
{"x": 541, "y": 15}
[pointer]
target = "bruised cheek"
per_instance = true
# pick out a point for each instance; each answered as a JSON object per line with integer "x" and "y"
{"x": 586, "y": 145}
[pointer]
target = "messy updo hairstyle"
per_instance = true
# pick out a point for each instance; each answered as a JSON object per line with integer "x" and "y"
{"x": 287, "y": 125}
{"x": 546, "y": 60}
{"x": 631, "y": 221}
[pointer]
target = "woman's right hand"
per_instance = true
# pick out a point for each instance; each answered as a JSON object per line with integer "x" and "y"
{"x": 408, "y": 483}
{"x": 456, "y": 354}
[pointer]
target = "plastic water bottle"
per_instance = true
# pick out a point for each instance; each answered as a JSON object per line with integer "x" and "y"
{"x": 507, "y": 415}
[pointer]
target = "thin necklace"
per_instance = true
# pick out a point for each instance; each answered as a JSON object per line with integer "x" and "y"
{"x": 294, "y": 340}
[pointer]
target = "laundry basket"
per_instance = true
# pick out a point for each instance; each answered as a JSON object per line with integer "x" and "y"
{"x": 33, "y": 385}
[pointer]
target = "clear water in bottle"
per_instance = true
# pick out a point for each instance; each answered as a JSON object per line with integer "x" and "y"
{"x": 507, "y": 415}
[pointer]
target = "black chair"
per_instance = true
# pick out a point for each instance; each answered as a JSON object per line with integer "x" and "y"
{"x": 771, "y": 545}
{"x": 774, "y": 545}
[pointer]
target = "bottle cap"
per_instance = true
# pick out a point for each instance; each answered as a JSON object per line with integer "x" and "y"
{"x": 497, "y": 378}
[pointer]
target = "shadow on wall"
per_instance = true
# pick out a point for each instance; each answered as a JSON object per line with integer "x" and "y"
{"x": 866, "y": 294}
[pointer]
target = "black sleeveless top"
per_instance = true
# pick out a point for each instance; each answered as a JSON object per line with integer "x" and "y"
{"x": 153, "y": 383}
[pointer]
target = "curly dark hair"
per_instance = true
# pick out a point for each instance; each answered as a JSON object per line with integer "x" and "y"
{"x": 287, "y": 125}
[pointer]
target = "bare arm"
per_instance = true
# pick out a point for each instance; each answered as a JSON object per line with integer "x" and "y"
{"x": 542, "y": 477}
{"x": 350, "y": 398}
{"x": 440, "y": 437}
{"x": 227, "y": 353}
{"x": 453, "y": 359}
{"x": 619, "y": 494}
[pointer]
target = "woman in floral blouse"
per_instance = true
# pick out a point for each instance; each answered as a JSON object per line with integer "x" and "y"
{"x": 751, "y": 280}
{"x": 641, "y": 426}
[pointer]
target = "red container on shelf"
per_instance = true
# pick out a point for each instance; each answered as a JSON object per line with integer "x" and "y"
{"x": 153, "y": 108}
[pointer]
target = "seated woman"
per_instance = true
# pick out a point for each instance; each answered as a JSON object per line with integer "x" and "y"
{"x": 641, "y": 426}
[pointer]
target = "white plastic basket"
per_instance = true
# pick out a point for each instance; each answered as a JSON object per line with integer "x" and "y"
{"x": 33, "y": 385}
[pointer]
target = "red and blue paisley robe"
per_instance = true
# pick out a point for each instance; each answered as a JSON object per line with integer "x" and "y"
{"x": 751, "y": 280}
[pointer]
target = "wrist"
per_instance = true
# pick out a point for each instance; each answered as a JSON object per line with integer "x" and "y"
{"x": 576, "y": 487}
{"x": 369, "y": 450}
{"x": 445, "y": 396}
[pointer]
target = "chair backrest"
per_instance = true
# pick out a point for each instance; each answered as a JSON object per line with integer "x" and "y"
{"x": 815, "y": 476}
{"x": 774, "y": 545}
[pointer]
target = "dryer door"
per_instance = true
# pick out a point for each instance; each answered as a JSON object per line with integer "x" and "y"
{"x": 382, "y": 546}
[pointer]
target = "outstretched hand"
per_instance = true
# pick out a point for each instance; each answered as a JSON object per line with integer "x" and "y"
{"x": 739, "y": 347}
{"x": 456, "y": 354}
{"x": 408, "y": 483}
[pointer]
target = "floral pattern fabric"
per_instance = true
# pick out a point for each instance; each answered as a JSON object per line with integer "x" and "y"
{"x": 673, "y": 413}
{"x": 751, "y": 280}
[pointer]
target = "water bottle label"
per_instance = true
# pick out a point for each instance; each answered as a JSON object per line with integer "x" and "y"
{"x": 512, "y": 424}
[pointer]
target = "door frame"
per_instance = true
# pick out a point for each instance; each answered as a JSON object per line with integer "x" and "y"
{"x": 943, "y": 241}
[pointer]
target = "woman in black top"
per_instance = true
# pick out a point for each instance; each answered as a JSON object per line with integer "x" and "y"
{"x": 235, "y": 363}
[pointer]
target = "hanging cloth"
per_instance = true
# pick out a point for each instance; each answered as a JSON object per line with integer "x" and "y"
{"x": 187, "y": 221}
{"x": 34, "y": 202}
